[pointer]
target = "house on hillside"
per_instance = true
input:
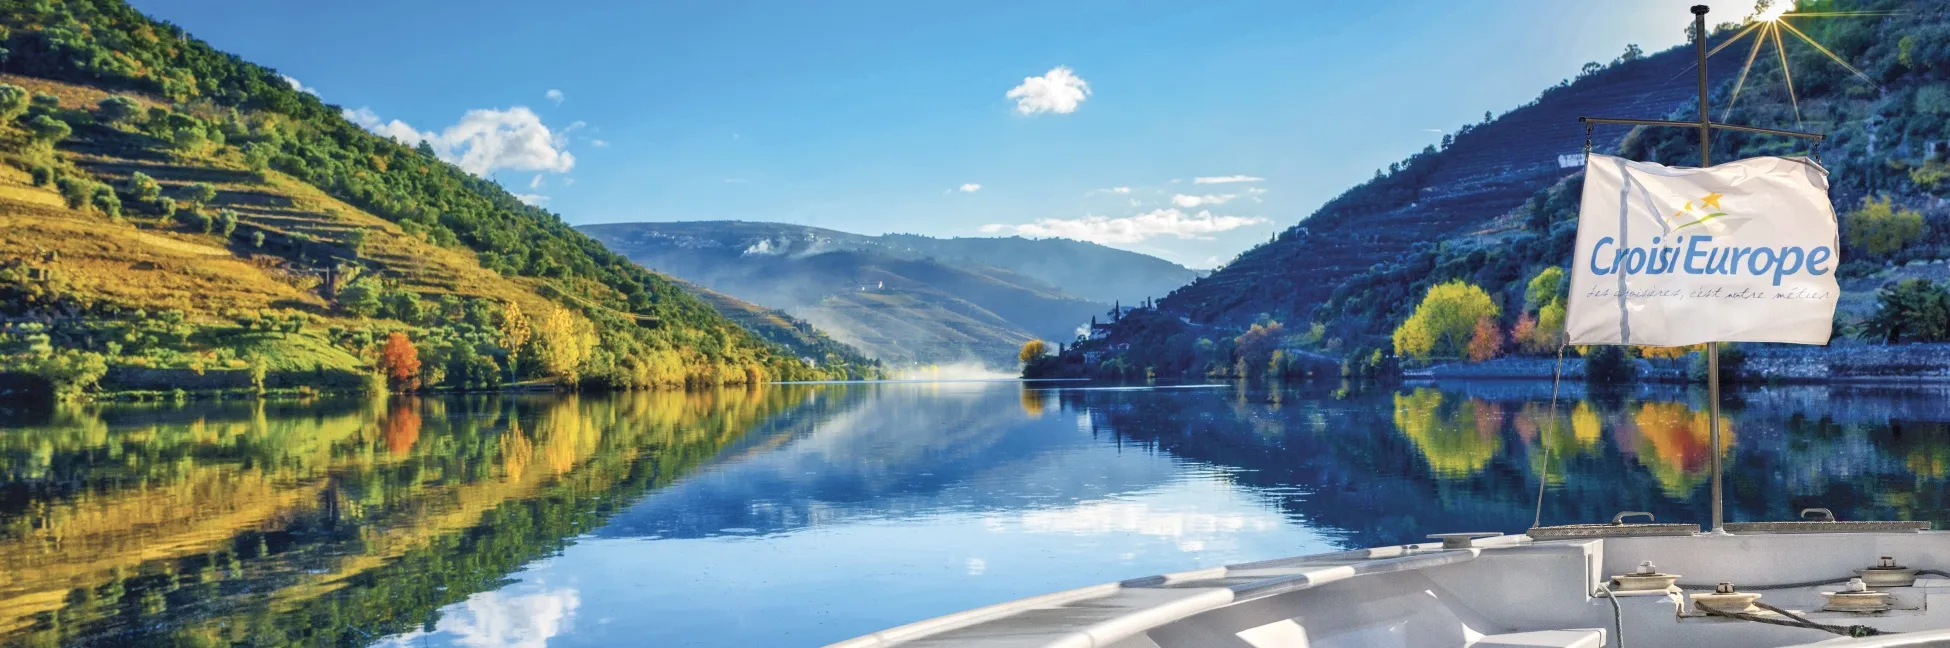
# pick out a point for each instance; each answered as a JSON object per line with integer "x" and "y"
{"x": 1099, "y": 331}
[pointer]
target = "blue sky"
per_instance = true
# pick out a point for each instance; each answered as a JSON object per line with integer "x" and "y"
{"x": 884, "y": 116}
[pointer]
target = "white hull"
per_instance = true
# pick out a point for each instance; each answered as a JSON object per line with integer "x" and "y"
{"x": 1504, "y": 591}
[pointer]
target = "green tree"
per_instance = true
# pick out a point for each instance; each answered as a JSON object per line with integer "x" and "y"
{"x": 42, "y": 175}
{"x": 119, "y": 109}
{"x": 194, "y": 219}
{"x": 201, "y": 193}
{"x": 1912, "y": 310}
{"x": 13, "y": 102}
{"x": 76, "y": 191}
{"x": 1544, "y": 288}
{"x": 144, "y": 187}
{"x": 1443, "y": 325}
{"x": 1256, "y": 347}
{"x": 104, "y": 199}
{"x": 1879, "y": 227}
{"x": 361, "y": 297}
{"x": 48, "y": 130}
{"x": 226, "y": 222}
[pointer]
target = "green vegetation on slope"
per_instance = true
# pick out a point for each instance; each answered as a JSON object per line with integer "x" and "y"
{"x": 1884, "y": 152}
{"x": 158, "y": 175}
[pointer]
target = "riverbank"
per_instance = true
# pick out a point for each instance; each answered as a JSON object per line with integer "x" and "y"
{"x": 1778, "y": 363}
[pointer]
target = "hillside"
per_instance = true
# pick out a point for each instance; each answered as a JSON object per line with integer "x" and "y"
{"x": 781, "y": 328}
{"x": 1494, "y": 211}
{"x": 1088, "y": 270}
{"x": 890, "y": 299}
{"x": 179, "y": 218}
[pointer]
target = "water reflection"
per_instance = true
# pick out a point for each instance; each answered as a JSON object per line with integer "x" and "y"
{"x": 331, "y": 522}
{"x": 771, "y": 516}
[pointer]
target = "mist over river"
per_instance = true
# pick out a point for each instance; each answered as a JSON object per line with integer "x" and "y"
{"x": 792, "y": 515}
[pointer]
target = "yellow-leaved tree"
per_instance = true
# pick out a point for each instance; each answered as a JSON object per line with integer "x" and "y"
{"x": 1879, "y": 227}
{"x": 515, "y": 332}
{"x": 563, "y": 342}
{"x": 1544, "y": 332}
{"x": 1445, "y": 323}
{"x": 1032, "y": 350}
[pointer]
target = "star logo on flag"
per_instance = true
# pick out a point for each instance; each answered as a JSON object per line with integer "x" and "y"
{"x": 1707, "y": 211}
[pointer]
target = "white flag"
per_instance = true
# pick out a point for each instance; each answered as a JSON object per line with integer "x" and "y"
{"x": 1672, "y": 256}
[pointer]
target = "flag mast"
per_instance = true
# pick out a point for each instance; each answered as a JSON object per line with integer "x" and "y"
{"x": 1705, "y": 126}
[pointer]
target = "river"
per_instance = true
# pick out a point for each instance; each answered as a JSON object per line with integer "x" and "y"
{"x": 796, "y": 515}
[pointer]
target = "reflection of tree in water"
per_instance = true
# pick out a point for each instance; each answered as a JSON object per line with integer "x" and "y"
{"x": 1032, "y": 402}
{"x": 1457, "y": 441}
{"x": 403, "y": 425}
{"x": 1675, "y": 445}
{"x": 1371, "y": 480}
{"x": 1557, "y": 440}
{"x": 332, "y": 524}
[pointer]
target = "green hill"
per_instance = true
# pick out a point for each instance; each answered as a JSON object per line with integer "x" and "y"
{"x": 176, "y": 216}
{"x": 903, "y": 299}
{"x": 781, "y": 328}
{"x": 1493, "y": 207}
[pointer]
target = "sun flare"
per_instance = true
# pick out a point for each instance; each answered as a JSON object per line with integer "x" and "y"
{"x": 1766, "y": 26}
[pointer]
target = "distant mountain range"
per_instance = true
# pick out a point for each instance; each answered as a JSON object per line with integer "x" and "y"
{"x": 905, "y": 299}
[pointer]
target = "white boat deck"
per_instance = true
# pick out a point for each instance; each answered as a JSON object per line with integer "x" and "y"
{"x": 1505, "y": 591}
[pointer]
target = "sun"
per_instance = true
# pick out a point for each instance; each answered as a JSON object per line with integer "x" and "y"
{"x": 1766, "y": 27}
{"x": 1774, "y": 11}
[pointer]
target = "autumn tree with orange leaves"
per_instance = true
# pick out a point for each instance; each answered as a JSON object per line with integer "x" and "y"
{"x": 1486, "y": 341}
{"x": 400, "y": 362}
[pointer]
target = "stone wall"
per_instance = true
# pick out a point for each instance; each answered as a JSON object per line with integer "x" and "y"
{"x": 1764, "y": 363}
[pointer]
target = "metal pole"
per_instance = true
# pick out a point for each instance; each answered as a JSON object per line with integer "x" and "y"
{"x": 1712, "y": 348}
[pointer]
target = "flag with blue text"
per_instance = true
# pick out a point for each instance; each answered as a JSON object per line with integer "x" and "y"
{"x": 1672, "y": 256}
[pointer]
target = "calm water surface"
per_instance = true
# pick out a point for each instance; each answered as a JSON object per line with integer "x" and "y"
{"x": 805, "y": 514}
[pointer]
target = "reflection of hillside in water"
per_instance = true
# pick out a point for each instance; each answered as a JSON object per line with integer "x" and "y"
{"x": 1388, "y": 467}
{"x": 900, "y": 451}
{"x": 333, "y": 522}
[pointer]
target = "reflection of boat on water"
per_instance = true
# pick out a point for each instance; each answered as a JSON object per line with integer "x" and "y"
{"x": 1815, "y": 581}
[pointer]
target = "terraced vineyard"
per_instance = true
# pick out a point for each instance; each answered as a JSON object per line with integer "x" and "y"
{"x": 1486, "y": 173}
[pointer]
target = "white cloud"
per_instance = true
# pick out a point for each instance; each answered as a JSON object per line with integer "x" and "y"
{"x": 535, "y": 182}
{"x": 1112, "y": 190}
{"x": 535, "y": 200}
{"x": 1059, "y": 91}
{"x": 1255, "y": 193}
{"x": 1129, "y": 229}
{"x": 970, "y": 188}
{"x": 1188, "y": 202}
{"x": 504, "y": 621}
{"x": 295, "y": 85}
{"x": 1225, "y": 179}
{"x": 599, "y": 143}
{"x": 553, "y": 95}
{"x": 484, "y": 140}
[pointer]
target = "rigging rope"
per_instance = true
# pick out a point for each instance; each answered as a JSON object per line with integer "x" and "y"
{"x": 1792, "y": 620}
{"x": 1543, "y": 474}
{"x": 1617, "y": 614}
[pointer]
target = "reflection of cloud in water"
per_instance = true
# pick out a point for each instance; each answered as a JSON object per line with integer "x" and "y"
{"x": 1144, "y": 518}
{"x": 501, "y": 620}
